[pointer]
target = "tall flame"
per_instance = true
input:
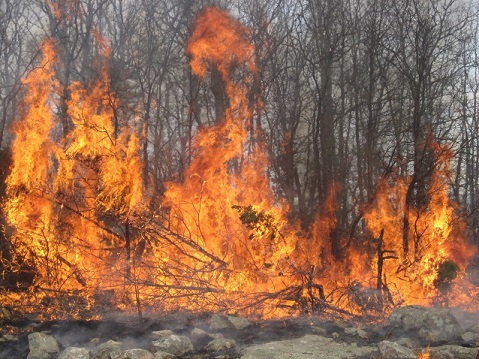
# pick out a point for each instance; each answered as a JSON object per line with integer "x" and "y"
{"x": 220, "y": 238}
{"x": 57, "y": 189}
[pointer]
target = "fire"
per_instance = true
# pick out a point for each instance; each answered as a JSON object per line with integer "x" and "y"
{"x": 57, "y": 188}
{"x": 86, "y": 222}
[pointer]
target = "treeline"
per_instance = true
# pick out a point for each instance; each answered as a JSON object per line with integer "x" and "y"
{"x": 348, "y": 90}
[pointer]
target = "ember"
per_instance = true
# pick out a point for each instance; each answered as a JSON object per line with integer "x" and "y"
{"x": 92, "y": 228}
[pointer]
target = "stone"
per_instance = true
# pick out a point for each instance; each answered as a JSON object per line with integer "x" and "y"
{"x": 10, "y": 338}
{"x": 174, "y": 344}
{"x": 105, "y": 350}
{"x": 158, "y": 334}
{"x": 356, "y": 332}
{"x": 470, "y": 338}
{"x": 164, "y": 355}
{"x": 199, "y": 333}
{"x": 220, "y": 344}
{"x": 319, "y": 331}
{"x": 42, "y": 346}
{"x": 392, "y": 350}
{"x": 406, "y": 342}
{"x": 239, "y": 322}
{"x": 435, "y": 326}
{"x": 132, "y": 354}
{"x": 220, "y": 321}
{"x": 453, "y": 352}
{"x": 75, "y": 353}
{"x": 308, "y": 346}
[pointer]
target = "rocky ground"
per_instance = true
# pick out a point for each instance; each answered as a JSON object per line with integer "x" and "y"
{"x": 409, "y": 331}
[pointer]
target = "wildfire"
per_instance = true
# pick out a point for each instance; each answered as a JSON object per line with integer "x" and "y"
{"x": 220, "y": 238}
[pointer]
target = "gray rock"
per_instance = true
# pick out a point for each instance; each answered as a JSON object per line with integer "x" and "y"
{"x": 453, "y": 352}
{"x": 132, "y": 354}
{"x": 42, "y": 346}
{"x": 174, "y": 344}
{"x": 200, "y": 334}
{"x": 164, "y": 355}
{"x": 104, "y": 351}
{"x": 433, "y": 325}
{"x": 75, "y": 353}
{"x": 158, "y": 334}
{"x": 220, "y": 321}
{"x": 392, "y": 350}
{"x": 8, "y": 338}
{"x": 239, "y": 322}
{"x": 309, "y": 346}
{"x": 356, "y": 332}
{"x": 220, "y": 344}
{"x": 470, "y": 338}
{"x": 319, "y": 331}
{"x": 406, "y": 342}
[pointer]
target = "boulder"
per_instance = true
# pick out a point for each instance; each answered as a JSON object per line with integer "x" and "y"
{"x": 132, "y": 354}
{"x": 308, "y": 346}
{"x": 42, "y": 346}
{"x": 105, "y": 350}
{"x": 220, "y": 344}
{"x": 356, "y": 332}
{"x": 470, "y": 338}
{"x": 164, "y": 355}
{"x": 239, "y": 322}
{"x": 158, "y": 334}
{"x": 198, "y": 333}
{"x": 392, "y": 350}
{"x": 434, "y": 326}
{"x": 453, "y": 352}
{"x": 75, "y": 353}
{"x": 9, "y": 338}
{"x": 174, "y": 344}
{"x": 220, "y": 321}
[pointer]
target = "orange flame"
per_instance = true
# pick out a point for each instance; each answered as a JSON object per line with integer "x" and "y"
{"x": 220, "y": 239}
{"x": 56, "y": 189}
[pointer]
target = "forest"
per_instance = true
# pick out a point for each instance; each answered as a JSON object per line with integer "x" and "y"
{"x": 305, "y": 155}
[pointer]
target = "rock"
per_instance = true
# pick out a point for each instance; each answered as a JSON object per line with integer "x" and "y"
{"x": 392, "y": 350}
{"x": 470, "y": 338}
{"x": 9, "y": 338}
{"x": 161, "y": 334}
{"x": 220, "y": 344}
{"x": 406, "y": 342}
{"x": 199, "y": 333}
{"x": 132, "y": 354}
{"x": 308, "y": 346}
{"x": 356, "y": 332}
{"x": 453, "y": 352}
{"x": 164, "y": 355}
{"x": 319, "y": 331}
{"x": 75, "y": 353}
{"x": 42, "y": 346}
{"x": 220, "y": 321}
{"x": 104, "y": 351}
{"x": 239, "y": 322}
{"x": 174, "y": 344}
{"x": 5, "y": 313}
{"x": 433, "y": 325}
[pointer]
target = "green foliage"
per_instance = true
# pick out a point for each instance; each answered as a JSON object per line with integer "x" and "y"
{"x": 259, "y": 222}
{"x": 446, "y": 273}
